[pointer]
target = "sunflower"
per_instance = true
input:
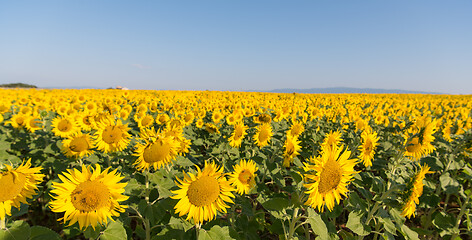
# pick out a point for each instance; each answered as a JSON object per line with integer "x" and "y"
{"x": 243, "y": 176}
{"x": 85, "y": 121}
{"x": 203, "y": 194}
{"x": 33, "y": 123}
{"x": 262, "y": 118}
{"x": 292, "y": 146}
{"x": 238, "y": 135}
{"x": 157, "y": 150}
{"x": 17, "y": 121}
{"x": 188, "y": 118}
{"x": 111, "y": 135}
{"x": 145, "y": 121}
{"x": 367, "y": 149}
{"x": 331, "y": 141}
{"x": 212, "y": 128}
{"x": 446, "y": 131}
{"x": 230, "y": 119}
{"x": 64, "y": 126}
{"x": 419, "y": 145}
{"x": 296, "y": 129}
{"x": 90, "y": 196}
{"x": 199, "y": 123}
{"x": 415, "y": 190}
{"x": 77, "y": 146}
{"x": 216, "y": 117}
{"x": 263, "y": 135}
{"x": 162, "y": 118}
{"x": 17, "y": 185}
{"x": 327, "y": 179}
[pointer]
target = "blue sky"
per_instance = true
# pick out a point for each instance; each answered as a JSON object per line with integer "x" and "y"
{"x": 238, "y": 45}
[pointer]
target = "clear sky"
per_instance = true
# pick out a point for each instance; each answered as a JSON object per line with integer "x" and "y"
{"x": 239, "y": 44}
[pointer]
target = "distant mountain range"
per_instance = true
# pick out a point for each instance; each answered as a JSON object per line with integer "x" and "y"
{"x": 346, "y": 90}
{"x": 306, "y": 90}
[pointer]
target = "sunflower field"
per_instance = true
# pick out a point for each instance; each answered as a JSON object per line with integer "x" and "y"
{"x": 114, "y": 164}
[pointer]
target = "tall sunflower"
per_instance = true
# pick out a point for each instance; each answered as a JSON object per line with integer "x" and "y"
{"x": 17, "y": 121}
{"x": 328, "y": 178}
{"x": 367, "y": 149}
{"x": 33, "y": 123}
{"x": 85, "y": 121}
{"x": 111, "y": 135}
{"x": 296, "y": 129}
{"x": 64, "y": 126}
{"x": 157, "y": 150}
{"x": 243, "y": 176}
{"x": 263, "y": 135}
{"x": 415, "y": 190}
{"x": 212, "y": 128}
{"x": 78, "y": 145}
{"x": 238, "y": 135}
{"x": 203, "y": 194}
{"x": 17, "y": 185}
{"x": 292, "y": 146}
{"x": 331, "y": 140}
{"x": 90, "y": 196}
{"x": 419, "y": 144}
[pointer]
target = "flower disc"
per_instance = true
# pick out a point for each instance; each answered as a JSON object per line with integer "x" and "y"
{"x": 203, "y": 191}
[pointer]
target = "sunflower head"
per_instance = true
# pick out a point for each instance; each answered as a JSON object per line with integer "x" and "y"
{"x": 243, "y": 176}
{"x": 203, "y": 194}
{"x": 238, "y": 135}
{"x": 292, "y": 148}
{"x": 327, "y": 178}
{"x": 17, "y": 185}
{"x": 64, "y": 126}
{"x": 157, "y": 150}
{"x": 263, "y": 135}
{"x": 367, "y": 149}
{"x": 77, "y": 146}
{"x": 414, "y": 191}
{"x": 111, "y": 135}
{"x": 89, "y": 197}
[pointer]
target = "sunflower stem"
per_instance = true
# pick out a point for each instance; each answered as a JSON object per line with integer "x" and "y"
{"x": 146, "y": 197}
{"x": 2, "y": 224}
{"x": 147, "y": 228}
{"x": 198, "y": 226}
{"x": 459, "y": 217}
{"x": 292, "y": 224}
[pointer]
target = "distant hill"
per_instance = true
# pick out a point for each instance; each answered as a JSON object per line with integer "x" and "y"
{"x": 17, "y": 85}
{"x": 347, "y": 90}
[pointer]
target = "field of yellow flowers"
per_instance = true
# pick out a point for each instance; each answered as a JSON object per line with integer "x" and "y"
{"x": 113, "y": 164}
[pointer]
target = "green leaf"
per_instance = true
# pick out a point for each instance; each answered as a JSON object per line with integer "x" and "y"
{"x": 317, "y": 224}
{"x": 354, "y": 223}
{"x": 114, "y": 231}
{"x": 146, "y": 210}
{"x": 42, "y": 233}
{"x": 215, "y": 233}
{"x": 18, "y": 231}
{"x": 408, "y": 233}
{"x": 389, "y": 225}
{"x": 133, "y": 187}
{"x": 276, "y": 204}
{"x": 449, "y": 184}
{"x": 444, "y": 222}
{"x": 90, "y": 232}
{"x": 345, "y": 235}
{"x": 178, "y": 223}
